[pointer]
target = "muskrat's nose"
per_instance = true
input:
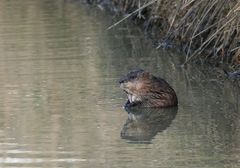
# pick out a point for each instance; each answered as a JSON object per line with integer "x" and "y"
{"x": 121, "y": 81}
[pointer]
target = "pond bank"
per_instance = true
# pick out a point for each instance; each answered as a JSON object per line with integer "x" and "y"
{"x": 206, "y": 31}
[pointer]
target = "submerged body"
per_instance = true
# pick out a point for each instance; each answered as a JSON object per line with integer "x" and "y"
{"x": 146, "y": 90}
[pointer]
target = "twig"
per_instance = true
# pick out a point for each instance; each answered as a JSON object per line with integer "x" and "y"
{"x": 144, "y": 6}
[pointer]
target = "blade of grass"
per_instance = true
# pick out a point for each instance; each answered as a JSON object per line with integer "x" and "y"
{"x": 144, "y": 6}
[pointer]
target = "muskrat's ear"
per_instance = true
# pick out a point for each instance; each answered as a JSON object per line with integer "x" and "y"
{"x": 145, "y": 74}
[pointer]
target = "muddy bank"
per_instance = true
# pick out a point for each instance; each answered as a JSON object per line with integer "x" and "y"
{"x": 207, "y": 31}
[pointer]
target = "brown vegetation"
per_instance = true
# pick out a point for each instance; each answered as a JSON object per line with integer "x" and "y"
{"x": 206, "y": 30}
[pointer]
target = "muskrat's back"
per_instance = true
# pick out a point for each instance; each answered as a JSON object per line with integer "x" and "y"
{"x": 146, "y": 90}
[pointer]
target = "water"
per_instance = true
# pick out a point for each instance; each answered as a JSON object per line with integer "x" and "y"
{"x": 60, "y": 104}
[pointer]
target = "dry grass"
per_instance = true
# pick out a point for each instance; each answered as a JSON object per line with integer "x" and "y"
{"x": 207, "y": 30}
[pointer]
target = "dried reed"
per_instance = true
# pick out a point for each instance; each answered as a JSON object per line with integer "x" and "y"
{"x": 207, "y": 30}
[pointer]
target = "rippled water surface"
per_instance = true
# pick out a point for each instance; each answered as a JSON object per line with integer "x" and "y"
{"x": 61, "y": 106}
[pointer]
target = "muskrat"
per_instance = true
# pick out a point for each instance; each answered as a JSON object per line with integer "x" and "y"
{"x": 145, "y": 90}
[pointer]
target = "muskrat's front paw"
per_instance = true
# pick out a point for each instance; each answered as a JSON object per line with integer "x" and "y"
{"x": 127, "y": 104}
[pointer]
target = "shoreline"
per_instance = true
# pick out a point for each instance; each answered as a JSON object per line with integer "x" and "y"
{"x": 206, "y": 32}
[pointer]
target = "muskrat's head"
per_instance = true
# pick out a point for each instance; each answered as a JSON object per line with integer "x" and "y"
{"x": 135, "y": 81}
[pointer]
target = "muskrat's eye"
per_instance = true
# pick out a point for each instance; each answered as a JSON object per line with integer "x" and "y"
{"x": 132, "y": 77}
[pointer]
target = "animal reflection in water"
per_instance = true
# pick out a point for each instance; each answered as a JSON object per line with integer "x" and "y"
{"x": 144, "y": 123}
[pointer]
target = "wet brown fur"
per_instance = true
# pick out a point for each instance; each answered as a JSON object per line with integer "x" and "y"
{"x": 146, "y": 90}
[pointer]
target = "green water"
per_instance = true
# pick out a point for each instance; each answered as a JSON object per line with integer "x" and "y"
{"x": 61, "y": 106}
